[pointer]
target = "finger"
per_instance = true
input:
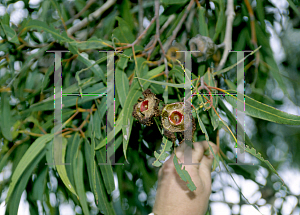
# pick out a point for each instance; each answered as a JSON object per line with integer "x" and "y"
{"x": 198, "y": 151}
{"x": 207, "y": 160}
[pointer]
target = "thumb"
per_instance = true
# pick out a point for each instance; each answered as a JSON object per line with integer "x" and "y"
{"x": 207, "y": 160}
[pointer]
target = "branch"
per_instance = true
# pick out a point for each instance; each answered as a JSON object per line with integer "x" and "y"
{"x": 91, "y": 17}
{"x": 228, "y": 34}
{"x": 175, "y": 32}
{"x": 88, "y": 4}
{"x": 139, "y": 37}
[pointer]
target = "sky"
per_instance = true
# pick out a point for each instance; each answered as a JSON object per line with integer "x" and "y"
{"x": 222, "y": 179}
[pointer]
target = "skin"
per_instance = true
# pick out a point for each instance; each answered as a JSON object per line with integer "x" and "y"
{"x": 172, "y": 196}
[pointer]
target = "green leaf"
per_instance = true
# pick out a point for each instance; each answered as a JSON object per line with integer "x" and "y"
{"x": 79, "y": 182}
{"x": 106, "y": 170}
{"x": 73, "y": 144}
{"x": 90, "y": 163}
{"x": 39, "y": 185}
{"x": 141, "y": 67}
{"x": 94, "y": 67}
{"x": 262, "y": 111}
{"x": 36, "y": 147}
{"x": 39, "y": 25}
{"x": 122, "y": 84}
{"x": 258, "y": 155}
{"x": 10, "y": 34}
{"x": 123, "y": 32}
{"x": 184, "y": 175}
{"x": 13, "y": 199}
{"x": 162, "y": 155}
{"x": 126, "y": 14}
{"x": 221, "y": 20}
{"x": 213, "y": 116}
{"x": 173, "y": 1}
{"x": 203, "y": 29}
{"x": 294, "y": 7}
{"x": 232, "y": 66}
{"x": 92, "y": 43}
{"x": 61, "y": 168}
{"x": 46, "y": 78}
{"x": 104, "y": 205}
{"x": 50, "y": 154}
{"x": 113, "y": 132}
{"x": 260, "y": 13}
{"x": 233, "y": 122}
{"x": 6, "y": 118}
{"x": 97, "y": 124}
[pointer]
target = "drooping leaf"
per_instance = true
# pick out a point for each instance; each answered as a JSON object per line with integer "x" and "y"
{"x": 259, "y": 110}
{"x": 60, "y": 166}
{"x": 203, "y": 28}
{"x": 122, "y": 84}
{"x": 106, "y": 170}
{"x": 10, "y": 34}
{"x": 220, "y": 21}
{"x": 184, "y": 175}
{"x": 126, "y": 15}
{"x": 79, "y": 181}
{"x": 39, "y": 185}
{"x": 233, "y": 122}
{"x": 258, "y": 155}
{"x": 294, "y": 7}
{"x": 6, "y": 118}
{"x": 73, "y": 144}
{"x": 90, "y": 163}
{"x": 92, "y": 43}
{"x": 39, "y": 25}
{"x": 104, "y": 205}
{"x": 123, "y": 32}
{"x": 19, "y": 186}
{"x": 96, "y": 69}
{"x": 36, "y": 147}
{"x": 163, "y": 153}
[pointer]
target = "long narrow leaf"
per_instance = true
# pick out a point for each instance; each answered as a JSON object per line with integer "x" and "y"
{"x": 34, "y": 150}
{"x": 184, "y": 175}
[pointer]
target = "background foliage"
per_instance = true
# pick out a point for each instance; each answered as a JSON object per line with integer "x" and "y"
{"x": 84, "y": 28}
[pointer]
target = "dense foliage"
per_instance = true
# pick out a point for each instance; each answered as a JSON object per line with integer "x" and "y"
{"x": 147, "y": 35}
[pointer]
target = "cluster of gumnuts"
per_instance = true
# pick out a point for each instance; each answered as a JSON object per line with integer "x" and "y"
{"x": 172, "y": 115}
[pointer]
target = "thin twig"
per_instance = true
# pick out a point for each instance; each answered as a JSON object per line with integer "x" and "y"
{"x": 87, "y": 6}
{"x": 228, "y": 34}
{"x": 139, "y": 37}
{"x": 175, "y": 32}
{"x": 91, "y": 17}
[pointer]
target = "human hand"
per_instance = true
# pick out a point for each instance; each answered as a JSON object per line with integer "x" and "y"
{"x": 173, "y": 196}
